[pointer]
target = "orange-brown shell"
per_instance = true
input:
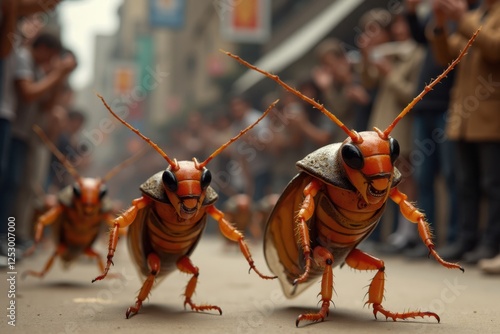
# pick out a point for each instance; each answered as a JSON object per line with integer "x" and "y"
{"x": 326, "y": 165}
{"x": 153, "y": 187}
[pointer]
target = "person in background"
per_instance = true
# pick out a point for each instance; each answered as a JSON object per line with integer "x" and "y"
{"x": 34, "y": 91}
{"x": 11, "y": 13}
{"x": 340, "y": 88}
{"x": 69, "y": 123}
{"x": 252, "y": 148}
{"x": 375, "y": 31}
{"x": 395, "y": 66}
{"x": 490, "y": 266}
{"x": 316, "y": 127}
{"x": 473, "y": 121}
{"x": 299, "y": 130}
{"x": 429, "y": 135}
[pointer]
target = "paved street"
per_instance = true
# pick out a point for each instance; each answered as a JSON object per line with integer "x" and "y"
{"x": 65, "y": 301}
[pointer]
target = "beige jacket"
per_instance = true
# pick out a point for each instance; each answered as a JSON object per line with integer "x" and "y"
{"x": 395, "y": 91}
{"x": 475, "y": 100}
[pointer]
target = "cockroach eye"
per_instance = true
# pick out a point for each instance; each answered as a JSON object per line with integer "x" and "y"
{"x": 394, "y": 147}
{"x": 206, "y": 178}
{"x": 352, "y": 156}
{"x": 169, "y": 180}
{"x": 76, "y": 190}
{"x": 103, "y": 190}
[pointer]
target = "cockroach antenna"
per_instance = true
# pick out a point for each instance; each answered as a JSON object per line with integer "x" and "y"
{"x": 235, "y": 138}
{"x": 173, "y": 163}
{"x": 385, "y": 134}
{"x": 69, "y": 167}
{"x": 351, "y": 133}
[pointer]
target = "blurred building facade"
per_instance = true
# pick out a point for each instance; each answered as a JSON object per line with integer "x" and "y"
{"x": 187, "y": 67}
{"x": 164, "y": 61}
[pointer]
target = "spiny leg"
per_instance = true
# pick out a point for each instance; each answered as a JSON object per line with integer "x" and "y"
{"x": 60, "y": 249}
{"x": 154, "y": 265}
{"x": 230, "y": 232}
{"x": 324, "y": 258}
{"x": 100, "y": 263}
{"x": 186, "y": 266}
{"x": 362, "y": 261}
{"x": 124, "y": 220}
{"x": 46, "y": 219}
{"x": 302, "y": 230}
{"x": 412, "y": 214}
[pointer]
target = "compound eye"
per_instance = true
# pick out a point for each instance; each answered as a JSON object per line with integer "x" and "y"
{"x": 394, "y": 147}
{"x": 76, "y": 190}
{"x": 103, "y": 190}
{"x": 206, "y": 178}
{"x": 169, "y": 180}
{"x": 352, "y": 156}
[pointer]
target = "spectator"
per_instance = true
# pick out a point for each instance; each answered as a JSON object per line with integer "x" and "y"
{"x": 33, "y": 90}
{"x": 375, "y": 30}
{"x": 67, "y": 140}
{"x": 288, "y": 144}
{"x": 10, "y": 13}
{"x": 428, "y": 127}
{"x": 474, "y": 121}
{"x": 490, "y": 266}
{"x": 300, "y": 131}
{"x": 8, "y": 21}
{"x": 316, "y": 127}
{"x": 339, "y": 86}
{"x": 394, "y": 67}
{"x": 257, "y": 162}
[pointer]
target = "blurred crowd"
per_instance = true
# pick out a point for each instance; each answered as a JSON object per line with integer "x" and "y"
{"x": 451, "y": 139}
{"x": 449, "y": 142}
{"x": 34, "y": 89}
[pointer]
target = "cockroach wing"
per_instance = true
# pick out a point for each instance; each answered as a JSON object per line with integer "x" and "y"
{"x": 281, "y": 247}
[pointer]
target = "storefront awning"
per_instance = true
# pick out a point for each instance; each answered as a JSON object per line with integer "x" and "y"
{"x": 295, "y": 46}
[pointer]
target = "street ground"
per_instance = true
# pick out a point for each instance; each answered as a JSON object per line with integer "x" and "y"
{"x": 66, "y": 301}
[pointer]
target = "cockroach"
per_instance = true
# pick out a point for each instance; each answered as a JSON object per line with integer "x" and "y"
{"x": 81, "y": 210}
{"x": 333, "y": 203}
{"x": 167, "y": 221}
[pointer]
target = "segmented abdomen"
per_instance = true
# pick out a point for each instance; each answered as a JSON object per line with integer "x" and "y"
{"x": 149, "y": 233}
{"x": 77, "y": 235}
{"x": 327, "y": 228}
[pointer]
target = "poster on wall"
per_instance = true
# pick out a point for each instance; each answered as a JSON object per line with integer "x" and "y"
{"x": 245, "y": 21}
{"x": 167, "y": 13}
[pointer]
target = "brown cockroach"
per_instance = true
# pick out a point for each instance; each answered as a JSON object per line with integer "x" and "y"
{"x": 167, "y": 221}
{"x": 81, "y": 210}
{"x": 334, "y": 203}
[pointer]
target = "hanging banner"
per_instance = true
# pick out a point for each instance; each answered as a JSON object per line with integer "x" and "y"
{"x": 167, "y": 13}
{"x": 245, "y": 21}
{"x": 124, "y": 77}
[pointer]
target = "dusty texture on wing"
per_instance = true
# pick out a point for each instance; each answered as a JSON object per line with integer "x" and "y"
{"x": 281, "y": 249}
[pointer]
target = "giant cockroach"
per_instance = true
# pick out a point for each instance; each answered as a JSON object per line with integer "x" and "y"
{"x": 334, "y": 203}
{"x": 82, "y": 209}
{"x": 167, "y": 221}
